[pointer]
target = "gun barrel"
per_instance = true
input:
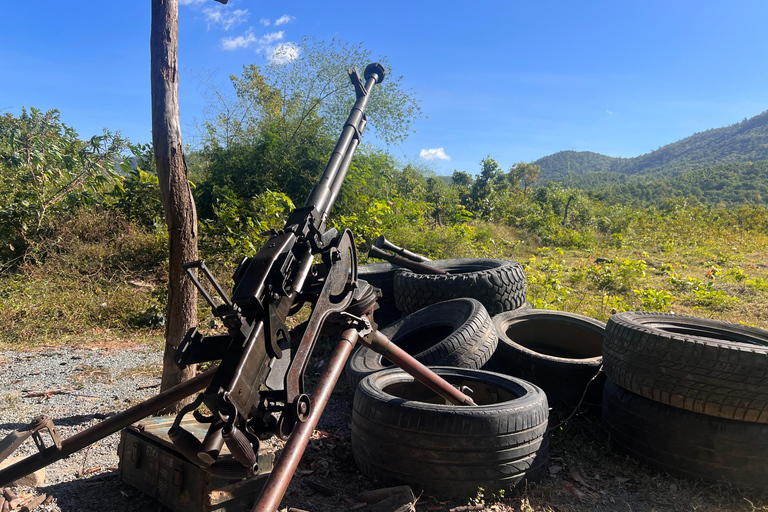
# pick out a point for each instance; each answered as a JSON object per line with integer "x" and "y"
{"x": 322, "y": 196}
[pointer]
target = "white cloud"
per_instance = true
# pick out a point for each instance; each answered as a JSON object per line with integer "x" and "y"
{"x": 249, "y": 39}
{"x": 235, "y": 43}
{"x": 226, "y": 18}
{"x": 609, "y": 112}
{"x": 270, "y": 38}
{"x": 284, "y": 19}
{"x": 283, "y": 53}
{"x": 191, "y": 2}
{"x": 431, "y": 154}
{"x": 264, "y": 21}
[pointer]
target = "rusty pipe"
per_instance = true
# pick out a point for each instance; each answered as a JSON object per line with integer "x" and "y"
{"x": 379, "y": 343}
{"x": 383, "y": 243}
{"x": 414, "y": 266}
{"x": 286, "y": 465}
{"x": 107, "y": 427}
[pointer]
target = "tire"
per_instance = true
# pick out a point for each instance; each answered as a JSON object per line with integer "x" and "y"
{"x": 684, "y": 443}
{"x": 380, "y": 275}
{"x": 559, "y": 352}
{"x": 701, "y": 365}
{"x": 457, "y": 332}
{"x": 498, "y": 284}
{"x": 399, "y": 437}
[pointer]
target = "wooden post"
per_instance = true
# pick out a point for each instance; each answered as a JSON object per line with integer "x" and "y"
{"x": 179, "y": 206}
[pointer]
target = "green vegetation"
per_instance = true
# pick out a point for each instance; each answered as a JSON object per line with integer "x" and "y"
{"x": 83, "y": 240}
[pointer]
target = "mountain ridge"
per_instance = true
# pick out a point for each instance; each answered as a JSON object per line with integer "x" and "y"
{"x": 740, "y": 142}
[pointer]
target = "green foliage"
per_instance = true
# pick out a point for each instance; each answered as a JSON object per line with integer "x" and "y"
{"x": 757, "y": 284}
{"x": 239, "y": 228}
{"x": 653, "y": 299}
{"x": 616, "y": 275}
{"x": 545, "y": 282}
{"x": 686, "y": 284}
{"x": 138, "y": 196}
{"x": 45, "y": 169}
{"x": 522, "y": 175}
{"x": 713, "y": 300}
{"x": 489, "y": 185}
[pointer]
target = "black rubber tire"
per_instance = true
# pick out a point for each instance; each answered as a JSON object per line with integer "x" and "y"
{"x": 686, "y": 444}
{"x": 380, "y": 275}
{"x": 559, "y": 352}
{"x": 456, "y": 332}
{"x": 498, "y": 284}
{"x": 398, "y": 437}
{"x": 701, "y": 365}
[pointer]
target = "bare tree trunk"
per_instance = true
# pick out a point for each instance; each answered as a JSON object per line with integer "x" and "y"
{"x": 180, "y": 213}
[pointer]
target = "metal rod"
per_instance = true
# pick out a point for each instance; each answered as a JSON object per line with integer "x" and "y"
{"x": 381, "y": 344}
{"x": 415, "y": 266}
{"x": 286, "y": 465}
{"x": 383, "y": 243}
{"x": 107, "y": 427}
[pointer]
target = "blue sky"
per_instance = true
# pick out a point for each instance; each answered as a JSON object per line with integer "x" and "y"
{"x": 514, "y": 80}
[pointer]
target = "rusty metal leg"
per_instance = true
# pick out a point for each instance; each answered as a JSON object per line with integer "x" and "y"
{"x": 286, "y": 465}
{"x": 381, "y": 344}
{"x": 105, "y": 428}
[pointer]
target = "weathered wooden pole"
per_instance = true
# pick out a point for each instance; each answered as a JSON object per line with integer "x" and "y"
{"x": 179, "y": 206}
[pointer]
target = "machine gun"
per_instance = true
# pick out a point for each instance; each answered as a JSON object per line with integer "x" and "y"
{"x": 258, "y": 389}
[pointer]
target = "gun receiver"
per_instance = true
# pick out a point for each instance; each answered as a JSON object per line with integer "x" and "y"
{"x": 254, "y": 394}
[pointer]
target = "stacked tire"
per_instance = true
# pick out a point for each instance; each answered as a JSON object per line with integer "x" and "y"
{"x": 688, "y": 396}
{"x": 382, "y": 276}
{"x": 404, "y": 433}
{"x": 498, "y": 284}
{"x": 557, "y": 351}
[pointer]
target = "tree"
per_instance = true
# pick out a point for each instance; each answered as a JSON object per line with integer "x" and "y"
{"x": 522, "y": 175}
{"x": 46, "y": 168}
{"x": 179, "y": 206}
{"x": 490, "y": 181}
{"x": 312, "y": 87}
{"x": 462, "y": 182}
{"x": 284, "y": 119}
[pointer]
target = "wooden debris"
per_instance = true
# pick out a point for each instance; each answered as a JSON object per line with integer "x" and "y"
{"x": 33, "y": 504}
{"x": 467, "y": 508}
{"x": 48, "y": 393}
{"x": 574, "y": 492}
{"x": 317, "y": 486}
{"x": 379, "y": 494}
{"x": 9, "y": 494}
{"x": 401, "y": 502}
{"x": 358, "y": 506}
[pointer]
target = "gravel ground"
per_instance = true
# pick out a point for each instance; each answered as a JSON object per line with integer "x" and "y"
{"x": 585, "y": 476}
{"x": 94, "y": 383}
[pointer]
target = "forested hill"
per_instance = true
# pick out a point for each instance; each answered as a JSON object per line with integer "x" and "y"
{"x": 729, "y": 184}
{"x": 740, "y": 142}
